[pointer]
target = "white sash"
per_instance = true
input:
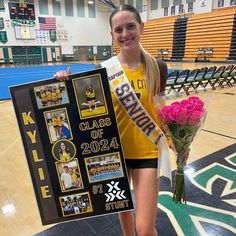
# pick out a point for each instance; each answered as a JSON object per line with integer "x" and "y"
{"x": 125, "y": 94}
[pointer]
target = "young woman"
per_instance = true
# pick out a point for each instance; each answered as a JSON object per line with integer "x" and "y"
{"x": 147, "y": 77}
{"x": 64, "y": 153}
{"x": 91, "y": 97}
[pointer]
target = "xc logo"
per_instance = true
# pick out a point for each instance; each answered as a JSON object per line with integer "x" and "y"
{"x": 114, "y": 192}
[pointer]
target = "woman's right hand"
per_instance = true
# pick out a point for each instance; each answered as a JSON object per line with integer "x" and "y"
{"x": 63, "y": 75}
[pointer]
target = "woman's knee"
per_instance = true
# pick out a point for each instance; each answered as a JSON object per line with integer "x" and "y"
{"x": 145, "y": 229}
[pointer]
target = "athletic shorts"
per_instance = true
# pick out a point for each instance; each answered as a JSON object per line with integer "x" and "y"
{"x": 141, "y": 163}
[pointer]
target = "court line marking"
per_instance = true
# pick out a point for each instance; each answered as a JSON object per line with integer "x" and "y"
{"x": 212, "y": 132}
{"x": 9, "y": 147}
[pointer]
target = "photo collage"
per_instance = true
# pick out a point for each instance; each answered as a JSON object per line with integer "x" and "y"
{"x": 52, "y": 100}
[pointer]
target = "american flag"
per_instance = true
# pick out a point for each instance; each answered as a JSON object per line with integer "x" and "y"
{"x": 47, "y": 23}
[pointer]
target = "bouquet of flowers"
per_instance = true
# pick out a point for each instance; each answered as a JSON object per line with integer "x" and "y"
{"x": 182, "y": 120}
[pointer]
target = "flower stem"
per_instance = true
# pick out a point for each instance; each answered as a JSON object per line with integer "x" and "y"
{"x": 179, "y": 189}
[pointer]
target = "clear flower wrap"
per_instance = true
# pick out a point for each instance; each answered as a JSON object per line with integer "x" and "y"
{"x": 181, "y": 120}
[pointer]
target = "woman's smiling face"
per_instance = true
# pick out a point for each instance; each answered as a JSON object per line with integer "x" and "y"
{"x": 63, "y": 146}
{"x": 126, "y": 30}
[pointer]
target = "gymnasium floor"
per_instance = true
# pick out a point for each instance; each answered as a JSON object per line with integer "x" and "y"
{"x": 19, "y": 215}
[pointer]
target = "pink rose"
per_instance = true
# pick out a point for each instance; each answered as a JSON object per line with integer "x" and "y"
{"x": 165, "y": 114}
{"x": 199, "y": 105}
{"x": 190, "y": 107}
{"x": 184, "y": 102}
{"x": 195, "y": 118}
{"x": 175, "y": 104}
{"x": 175, "y": 109}
{"x": 178, "y": 113}
{"x": 181, "y": 116}
{"x": 192, "y": 99}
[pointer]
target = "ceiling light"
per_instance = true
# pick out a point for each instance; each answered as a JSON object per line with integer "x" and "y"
{"x": 90, "y": 2}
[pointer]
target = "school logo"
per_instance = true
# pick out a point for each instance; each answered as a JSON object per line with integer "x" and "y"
{"x": 211, "y": 197}
{"x": 114, "y": 192}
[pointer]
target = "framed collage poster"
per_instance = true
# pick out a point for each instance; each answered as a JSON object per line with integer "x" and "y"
{"x": 72, "y": 146}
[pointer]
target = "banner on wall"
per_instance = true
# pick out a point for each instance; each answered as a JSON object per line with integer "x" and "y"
{"x": 24, "y": 32}
{"x": 42, "y": 36}
{"x": 72, "y": 146}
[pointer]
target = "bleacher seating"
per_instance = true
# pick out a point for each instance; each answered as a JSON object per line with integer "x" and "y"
{"x": 213, "y": 32}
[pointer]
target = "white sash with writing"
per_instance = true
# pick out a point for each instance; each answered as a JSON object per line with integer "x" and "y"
{"x": 125, "y": 94}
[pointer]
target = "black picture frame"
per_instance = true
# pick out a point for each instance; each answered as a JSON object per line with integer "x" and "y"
{"x": 59, "y": 168}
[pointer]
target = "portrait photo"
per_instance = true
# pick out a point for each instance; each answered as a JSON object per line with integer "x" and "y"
{"x": 63, "y": 150}
{"x": 76, "y": 204}
{"x": 58, "y": 125}
{"x": 165, "y": 11}
{"x": 172, "y": 10}
{"x": 181, "y": 8}
{"x": 104, "y": 167}
{"x": 69, "y": 175}
{"x": 220, "y": 3}
{"x": 90, "y": 96}
{"x": 190, "y": 7}
{"x": 51, "y": 95}
{"x": 232, "y": 2}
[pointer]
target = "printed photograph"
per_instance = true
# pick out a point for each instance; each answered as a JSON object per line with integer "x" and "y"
{"x": 69, "y": 175}
{"x": 63, "y": 150}
{"x": 172, "y": 10}
{"x": 51, "y": 95}
{"x": 190, "y": 7}
{"x": 58, "y": 126}
{"x": 166, "y": 11}
{"x": 76, "y": 204}
{"x": 181, "y": 8}
{"x": 90, "y": 96}
{"x": 104, "y": 167}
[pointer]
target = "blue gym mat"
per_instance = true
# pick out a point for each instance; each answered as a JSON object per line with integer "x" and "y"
{"x": 11, "y": 76}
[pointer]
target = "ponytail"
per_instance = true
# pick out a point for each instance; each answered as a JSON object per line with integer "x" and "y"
{"x": 152, "y": 73}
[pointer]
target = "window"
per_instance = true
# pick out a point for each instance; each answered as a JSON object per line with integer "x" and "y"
{"x": 56, "y": 7}
{"x": 165, "y": 3}
{"x": 69, "y": 8}
{"x": 177, "y": 2}
{"x": 2, "y": 5}
{"x": 80, "y": 8}
{"x": 3, "y": 37}
{"x": 154, "y": 5}
{"x": 1, "y": 23}
{"x": 92, "y": 10}
{"x": 130, "y": 2}
{"x": 43, "y": 7}
{"x": 139, "y": 5}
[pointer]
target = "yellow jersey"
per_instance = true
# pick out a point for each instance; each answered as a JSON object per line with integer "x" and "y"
{"x": 49, "y": 95}
{"x": 135, "y": 144}
{"x": 54, "y": 96}
{"x": 65, "y": 157}
{"x": 43, "y": 97}
{"x": 58, "y": 93}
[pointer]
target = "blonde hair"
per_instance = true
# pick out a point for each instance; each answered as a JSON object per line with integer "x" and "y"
{"x": 151, "y": 68}
{"x": 151, "y": 73}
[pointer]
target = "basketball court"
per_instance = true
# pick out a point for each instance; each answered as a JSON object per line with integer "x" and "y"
{"x": 20, "y": 214}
